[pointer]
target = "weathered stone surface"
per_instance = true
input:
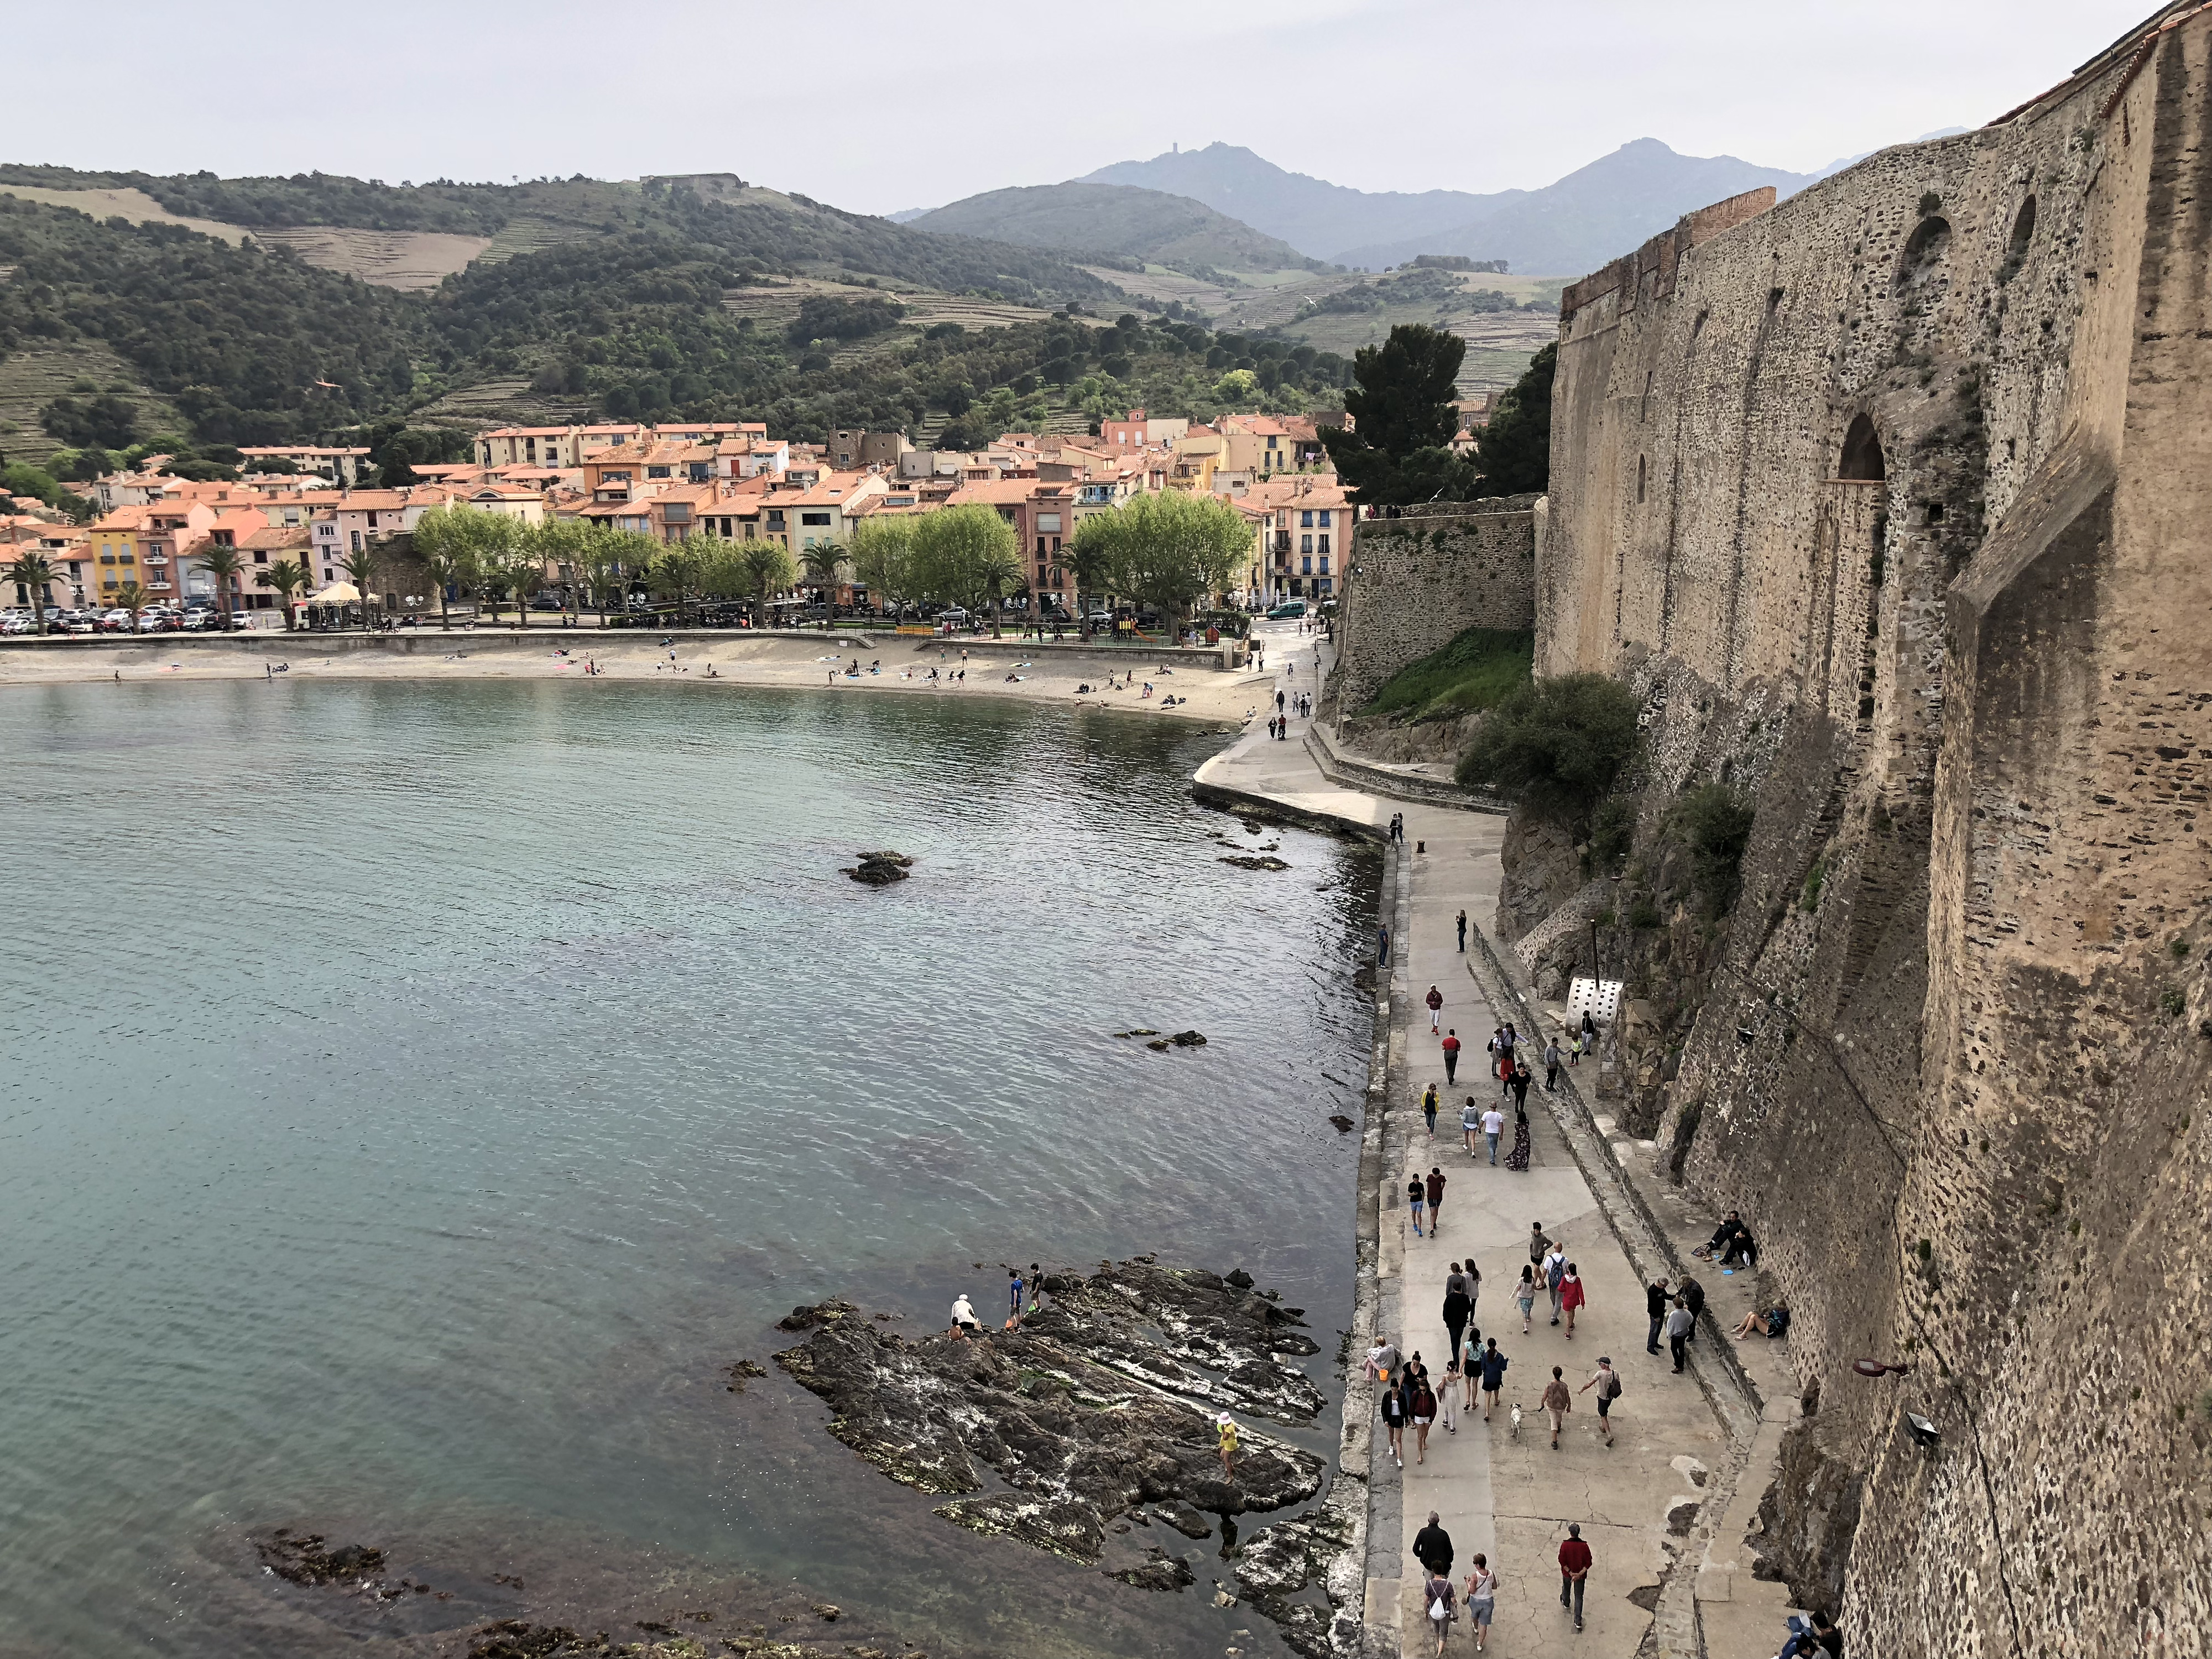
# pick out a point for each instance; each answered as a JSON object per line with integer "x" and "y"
{"x": 1894, "y": 503}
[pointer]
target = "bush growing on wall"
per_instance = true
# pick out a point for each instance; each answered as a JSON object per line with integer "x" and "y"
{"x": 1557, "y": 743}
{"x": 1714, "y": 823}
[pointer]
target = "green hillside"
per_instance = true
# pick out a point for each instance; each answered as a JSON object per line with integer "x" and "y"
{"x": 1146, "y": 225}
{"x": 703, "y": 299}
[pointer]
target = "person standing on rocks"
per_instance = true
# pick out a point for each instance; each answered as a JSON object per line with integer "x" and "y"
{"x": 1493, "y": 1125}
{"x": 1571, "y": 1298}
{"x": 1436, "y": 1202}
{"x": 1036, "y": 1287}
{"x": 964, "y": 1318}
{"x": 1679, "y": 1325}
{"x": 1462, "y": 932}
{"x": 1451, "y": 1057}
{"x": 1225, "y": 1435}
{"x": 1436, "y": 1001}
{"x": 1558, "y": 1402}
{"x": 1574, "y": 1571}
{"x": 1416, "y": 1196}
{"x": 1608, "y": 1384}
{"x": 1493, "y": 1378}
{"x": 1428, "y": 1108}
{"x": 1014, "y": 1289}
{"x": 1655, "y": 1300}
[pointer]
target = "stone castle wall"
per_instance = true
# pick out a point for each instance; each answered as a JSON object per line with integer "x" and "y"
{"x": 1414, "y": 583}
{"x": 1895, "y": 502}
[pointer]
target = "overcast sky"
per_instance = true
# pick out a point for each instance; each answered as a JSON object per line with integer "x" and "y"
{"x": 877, "y": 106}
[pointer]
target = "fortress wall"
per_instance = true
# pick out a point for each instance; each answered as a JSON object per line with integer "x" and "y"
{"x": 1416, "y": 582}
{"x": 1964, "y": 1096}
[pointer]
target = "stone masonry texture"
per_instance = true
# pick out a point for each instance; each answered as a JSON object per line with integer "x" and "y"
{"x": 1893, "y": 500}
{"x": 1417, "y": 582}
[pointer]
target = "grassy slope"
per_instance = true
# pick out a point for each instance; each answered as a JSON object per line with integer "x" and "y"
{"x": 1479, "y": 668}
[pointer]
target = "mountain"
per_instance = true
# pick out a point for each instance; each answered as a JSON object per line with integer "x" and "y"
{"x": 1119, "y": 219}
{"x": 1311, "y": 214}
{"x": 1595, "y": 214}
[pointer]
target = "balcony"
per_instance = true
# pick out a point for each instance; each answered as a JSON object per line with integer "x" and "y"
{"x": 157, "y": 558}
{"x": 1282, "y": 543}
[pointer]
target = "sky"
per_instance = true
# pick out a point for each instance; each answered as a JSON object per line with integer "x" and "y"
{"x": 879, "y": 107}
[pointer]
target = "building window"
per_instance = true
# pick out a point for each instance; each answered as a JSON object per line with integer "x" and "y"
{"x": 1305, "y": 519}
{"x": 1324, "y": 517}
{"x": 1324, "y": 564}
{"x": 1307, "y": 567}
{"x": 814, "y": 518}
{"x": 1324, "y": 540}
{"x": 356, "y": 540}
{"x": 1306, "y": 544}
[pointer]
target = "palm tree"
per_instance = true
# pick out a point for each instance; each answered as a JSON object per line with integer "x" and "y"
{"x": 33, "y": 574}
{"x": 132, "y": 597}
{"x": 222, "y": 564}
{"x": 998, "y": 573}
{"x": 286, "y": 577}
{"x": 361, "y": 568}
{"x": 767, "y": 565}
{"x": 822, "y": 561}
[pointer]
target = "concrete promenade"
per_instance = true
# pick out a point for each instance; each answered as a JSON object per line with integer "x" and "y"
{"x": 1679, "y": 1440}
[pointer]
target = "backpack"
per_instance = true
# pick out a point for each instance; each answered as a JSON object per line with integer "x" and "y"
{"x": 1613, "y": 1391}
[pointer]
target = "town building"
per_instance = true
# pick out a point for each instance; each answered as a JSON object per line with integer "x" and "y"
{"x": 340, "y": 466}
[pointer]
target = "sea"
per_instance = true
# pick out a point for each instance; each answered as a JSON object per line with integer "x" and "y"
{"x": 415, "y": 1096}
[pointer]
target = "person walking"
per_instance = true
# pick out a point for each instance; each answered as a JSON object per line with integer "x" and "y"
{"x": 1470, "y": 1365}
{"x": 1459, "y": 1305}
{"x": 1524, "y": 1294}
{"x": 1554, "y": 1273}
{"x": 1655, "y": 1299}
{"x": 1448, "y": 1394}
{"x": 1539, "y": 1245}
{"x": 1471, "y": 1125}
{"x": 1416, "y": 1196}
{"x": 1481, "y": 1599}
{"x": 1607, "y": 1382}
{"x": 1558, "y": 1402}
{"x": 1422, "y": 1408}
{"x": 1679, "y": 1324}
{"x": 1575, "y": 1050}
{"x": 1571, "y": 1298}
{"x": 1436, "y": 1202}
{"x": 1552, "y": 1067}
{"x": 1225, "y": 1432}
{"x": 1589, "y": 1033}
{"x": 1451, "y": 1057}
{"x": 1493, "y": 1364}
{"x": 1433, "y": 1547}
{"x": 1518, "y": 1083}
{"x": 1493, "y": 1125}
{"x": 1394, "y": 1420}
{"x": 1438, "y": 1594}
{"x": 1518, "y": 1158}
{"x": 1436, "y": 1001}
{"x": 1462, "y": 932}
{"x": 1574, "y": 1571}
{"x": 1428, "y": 1108}
{"x": 1382, "y": 946}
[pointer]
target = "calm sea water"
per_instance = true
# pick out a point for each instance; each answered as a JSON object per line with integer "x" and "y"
{"x": 412, "y": 1096}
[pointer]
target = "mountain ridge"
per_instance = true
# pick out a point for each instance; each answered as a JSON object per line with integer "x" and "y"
{"x": 1124, "y": 219}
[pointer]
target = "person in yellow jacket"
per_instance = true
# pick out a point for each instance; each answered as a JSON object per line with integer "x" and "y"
{"x": 1225, "y": 1426}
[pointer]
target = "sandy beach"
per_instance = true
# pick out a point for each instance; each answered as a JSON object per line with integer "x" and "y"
{"x": 1004, "y": 668}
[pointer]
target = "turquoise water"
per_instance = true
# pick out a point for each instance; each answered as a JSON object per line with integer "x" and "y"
{"x": 414, "y": 1094}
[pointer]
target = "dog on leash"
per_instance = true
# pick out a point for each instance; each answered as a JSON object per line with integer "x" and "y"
{"x": 1515, "y": 1432}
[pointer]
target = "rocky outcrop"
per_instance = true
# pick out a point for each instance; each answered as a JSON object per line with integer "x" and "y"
{"x": 879, "y": 869}
{"x": 1542, "y": 868}
{"x": 1086, "y": 1420}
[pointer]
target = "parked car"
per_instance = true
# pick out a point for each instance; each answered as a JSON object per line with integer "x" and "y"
{"x": 1287, "y": 609}
{"x": 18, "y": 625}
{"x": 114, "y": 622}
{"x": 160, "y": 622}
{"x": 82, "y": 625}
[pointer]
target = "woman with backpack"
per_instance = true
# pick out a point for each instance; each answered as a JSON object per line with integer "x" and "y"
{"x": 1608, "y": 1384}
{"x": 1439, "y": 1595}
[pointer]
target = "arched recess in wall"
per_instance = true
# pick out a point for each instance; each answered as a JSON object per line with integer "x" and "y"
{"x": 1923, "y": 251}
{"x": 1862, "y": 458}
{"x": 1643, "y": 473}
{"x": 2023, "y": 231}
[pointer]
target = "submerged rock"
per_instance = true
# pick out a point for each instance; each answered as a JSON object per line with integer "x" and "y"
{"x": 1190, "y": 1039}
{"x": 303, "y": 1559}
{"x": 1158, "y": 1571}
{"x": 1244, "y": 862}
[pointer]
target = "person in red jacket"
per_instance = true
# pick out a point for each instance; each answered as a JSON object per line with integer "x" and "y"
{"x": 1435, "y": 1000}
{"x": 1571, "y": 1298}
{"x": 1574, "y": 1571}
{"x": 1451, "y": 1055}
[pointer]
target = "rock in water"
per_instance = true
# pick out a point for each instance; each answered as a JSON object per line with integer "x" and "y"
{"x": 1086, "y": 1409}
{"x": 1246, "y": 863}
{"x": 880, "y": 869}
{"x": 1194, "y": 1040}
{"x": 302, "y": 1557}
